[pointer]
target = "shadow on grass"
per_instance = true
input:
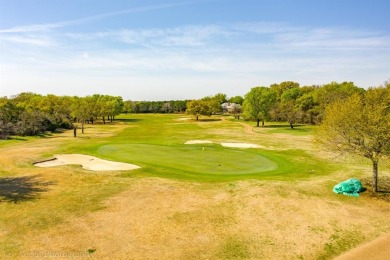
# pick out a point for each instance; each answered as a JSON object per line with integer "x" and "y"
{"x": 17, "y": 138}
{"x": 46, "y": 134}
{"x": 383, "y": 188}
{"x": 19, "y": 189}
{"x": 281, "y": 126}
{"x": 128, "y": 120}
{"x": 209, "y": 119}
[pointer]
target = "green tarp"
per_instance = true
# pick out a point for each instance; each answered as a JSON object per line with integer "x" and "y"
{"x": 350, "y": 187}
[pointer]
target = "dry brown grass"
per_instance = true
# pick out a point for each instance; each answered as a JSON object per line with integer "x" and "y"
{"x": 166, "y": 219}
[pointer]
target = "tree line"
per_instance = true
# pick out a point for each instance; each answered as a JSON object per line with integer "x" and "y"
{"x": 172, "y": 106}
{"x": 32, "y": 114}
{"x": 29, "y": 114}
{"x": 288, "y": 102}
{"x": 283, "y": 102}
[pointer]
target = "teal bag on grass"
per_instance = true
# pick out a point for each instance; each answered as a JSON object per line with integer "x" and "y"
{"x": 350, "y": 187}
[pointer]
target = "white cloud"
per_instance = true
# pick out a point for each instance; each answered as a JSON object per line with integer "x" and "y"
{"x": 203, "y": 58}
{"x": 39, "y": 41}
{"x": 32, "y": 28}
{"x": 50, "y": 26}
{"x": 342, "y": 39}
{"x": 186, "y": 36}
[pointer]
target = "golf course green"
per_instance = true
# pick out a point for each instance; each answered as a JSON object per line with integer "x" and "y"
{"x": 196, "y": 159}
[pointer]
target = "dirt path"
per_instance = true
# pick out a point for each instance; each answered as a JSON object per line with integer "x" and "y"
{"x": 378, "y": 249}
{"x": 247, "y": 128}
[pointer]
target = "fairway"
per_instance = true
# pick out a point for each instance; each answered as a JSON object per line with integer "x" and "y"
{"x": 210, "y": 159}
{"x": 161, "y": 151}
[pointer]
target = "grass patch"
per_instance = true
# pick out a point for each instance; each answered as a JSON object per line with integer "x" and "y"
{"x": 299, "y": 130}
{"x": 340, "y": 241}
{"x": 32, "y": 204}
{"x": 234, "y": 248}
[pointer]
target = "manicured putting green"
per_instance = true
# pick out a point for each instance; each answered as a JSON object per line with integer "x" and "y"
{"x": 207, "y": 159}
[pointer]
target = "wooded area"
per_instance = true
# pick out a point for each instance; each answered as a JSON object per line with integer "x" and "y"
{"x": 29, "y": 114}
{"x": 33, "y": 114}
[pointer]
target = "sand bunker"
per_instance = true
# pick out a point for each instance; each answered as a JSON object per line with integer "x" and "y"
{"x": 87, "y": 162}
{"x": 233, "y": 145}
{"x": 241, "y": 145}
{"x": 198, "y": 142}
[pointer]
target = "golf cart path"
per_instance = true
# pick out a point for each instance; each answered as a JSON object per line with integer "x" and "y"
{"x": 248, "y": 129}
{"x": 377, "y": 249}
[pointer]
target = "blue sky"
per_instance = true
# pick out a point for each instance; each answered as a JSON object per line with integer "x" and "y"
{"x": 160, "y": 50}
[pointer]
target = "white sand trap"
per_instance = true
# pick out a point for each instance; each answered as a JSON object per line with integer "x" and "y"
{"x": 198, "y": 142}
{"x": 87, "y": 162}
{"x": 233, "y": 145}
{"x": 241, "y": 145}
{"x": 183, "y": 118}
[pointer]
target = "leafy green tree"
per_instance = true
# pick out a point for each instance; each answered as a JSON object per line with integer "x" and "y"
{"x": 155, "y": 106}
{"x": 27, "y": 100}
{"x": 359, "y": 124}
{"x": 332, "y": 92}
{"x": 283, "y": 86}
{"x": 213, "y": 104}
{"x": 81, "y": 110}
{"x": 9, "y": 115}
{"x": 57, "y": 110}
{"x": 35, "y": 115}
{"x": 214, "y": 107}
{"x": 220, "y": 98}
{"x": 9, "y": 111}
{"x": 142, "y": 107}
{"x": 106, "y": 106}
{"x": 237, "y": 100}
{"x": 31, "y": 123}
{"x": 199, "y": 108}
{"x": 63, "y": 110}
{"x": 179, "y": 106}
{"x": 116, "y": 106}
{"x": 306, "y": 105}
{"x": 195, "y": 108}
{"x": 6, "y": 129}
{"x": 258, "y": 102}
{"x": 288, "y": 107}
{"x": 128, "y": 106}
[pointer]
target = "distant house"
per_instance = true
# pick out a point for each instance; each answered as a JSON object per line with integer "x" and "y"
{"x": 231, "y": 108}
